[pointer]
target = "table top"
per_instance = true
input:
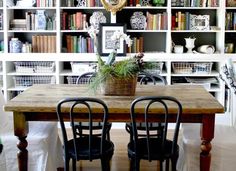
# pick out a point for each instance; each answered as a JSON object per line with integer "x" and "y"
{"x": 44, "y": 98}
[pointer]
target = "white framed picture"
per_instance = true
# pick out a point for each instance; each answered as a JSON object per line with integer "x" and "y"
{"x": 199, "y": 22}
{"x": 106, "y": 45}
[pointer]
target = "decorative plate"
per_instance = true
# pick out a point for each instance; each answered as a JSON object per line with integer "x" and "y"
{"x": 96, "y": 18}
{"x": 138, "y": 21}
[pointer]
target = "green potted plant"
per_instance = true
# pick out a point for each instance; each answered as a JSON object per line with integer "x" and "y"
{"x": 118, "y": 77}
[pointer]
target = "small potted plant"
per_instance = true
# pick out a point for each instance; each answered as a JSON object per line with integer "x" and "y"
{"x": 119, "y": 77}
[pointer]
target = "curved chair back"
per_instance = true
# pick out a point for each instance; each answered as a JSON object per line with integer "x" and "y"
{"x": 153, "y": 78}
{"x": 85, "y": 78}
{"x": 156, "y": 148}
{"x": 157, "y": 128}
{"x": 87, "y": 147}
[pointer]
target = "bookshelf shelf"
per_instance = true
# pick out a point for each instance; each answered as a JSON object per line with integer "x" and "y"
{"x": 197, "y": 8}
{"x": 145, "y": 7}
{"x": 146, "y": 31}
{"x": 82, "y": 8}
{"x": 195, "y": 31}
{"x": 73, "y": 31}
{"x": 31, "y": 8}
{"x": 31, "y": 31}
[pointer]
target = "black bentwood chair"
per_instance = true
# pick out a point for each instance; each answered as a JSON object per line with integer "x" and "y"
{"x": 155, "y": 128}
{"x": 81, "y": 127}
{"x": 154, "y": 148}
{"x": 88, "y": 147}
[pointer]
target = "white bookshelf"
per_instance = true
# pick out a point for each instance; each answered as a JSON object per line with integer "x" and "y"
{"x": 157, "y": 43}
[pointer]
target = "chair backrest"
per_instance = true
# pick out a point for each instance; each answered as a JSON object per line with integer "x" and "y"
{"x": 149, "y": 102}
{"x": 153, "y": 78}
{"x": 66, "y": 109}
{"x": 85, "y": 78}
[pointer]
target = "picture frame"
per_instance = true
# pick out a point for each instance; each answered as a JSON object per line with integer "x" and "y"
{"x": 106, "y": 45}
{"x": 199, "y": 22}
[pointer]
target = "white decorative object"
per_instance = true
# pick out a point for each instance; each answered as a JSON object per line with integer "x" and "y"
{"x": 138, "y": 21}
{"x": 208, "y": 49}
{"x": 96, "y": 18}
{"x": 9, "y": 3}
{"x": 178, "y": 49}
{"x": 25, "y": 3}
{"x": 199, "y": 22}
{"x": 15, "y": 45}
{"x": 190, "y": 44}
{"x": 41, "y": 22}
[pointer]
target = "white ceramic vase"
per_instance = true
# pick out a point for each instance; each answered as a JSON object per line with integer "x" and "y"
{"x": 41, "y": 23}
{"x": 189, "y": 44}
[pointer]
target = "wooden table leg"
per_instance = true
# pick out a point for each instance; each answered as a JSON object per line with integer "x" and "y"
{"x": 207, "y": 134}
{"x": 21, "y": 131}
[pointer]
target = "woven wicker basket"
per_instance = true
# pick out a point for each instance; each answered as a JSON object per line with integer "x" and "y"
{"x": 119, "y": 87}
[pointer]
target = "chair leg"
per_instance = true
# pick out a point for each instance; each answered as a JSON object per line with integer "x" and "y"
{"x": 74, "y": 164}
{"x": 161, "y": 165}
{"x": 108, "y": 136}
{"x": 67, "y": 164}
{"x": 134, "y": 165}
{"x": 105, "y": 162}
{"x": 167, "y": 164}
{"x": 174, "y": 163}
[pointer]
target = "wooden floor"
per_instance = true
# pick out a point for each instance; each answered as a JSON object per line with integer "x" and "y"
{"x": 120, "y": 161}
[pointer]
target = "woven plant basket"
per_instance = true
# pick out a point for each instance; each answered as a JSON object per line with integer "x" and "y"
{"x": 119, "y": 86}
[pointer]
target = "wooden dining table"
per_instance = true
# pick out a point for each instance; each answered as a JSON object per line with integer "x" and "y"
{"x": 38, "y": 103}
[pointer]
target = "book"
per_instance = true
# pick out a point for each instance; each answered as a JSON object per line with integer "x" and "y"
{"x": 68, "y": 43}
{"x": 34, "y": 43}
{"x": 45, "y": 42}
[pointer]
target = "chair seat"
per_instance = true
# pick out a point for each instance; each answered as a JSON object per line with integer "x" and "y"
{"x": 223, "y": 151}
{"x": 83, "y": 148}
{"x": 155, "y": 152}
{"x": 44, "y": 148}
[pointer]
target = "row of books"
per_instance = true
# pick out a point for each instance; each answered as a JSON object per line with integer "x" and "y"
{"x": 180, "y": 21}
{"x": 44, "y": 44}
{"x": 79, "y": 44}
{"x": 82, "y": 44}
{"x": 45, "y": 3}
{"x": 156, "y": 21}
{"x": 194, "y": 3}
{"x": 230, "y": 21}
{"x": 137, "y": 45}
{"x": 76, "y": 21}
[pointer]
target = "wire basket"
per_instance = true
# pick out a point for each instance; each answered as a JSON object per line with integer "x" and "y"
{"x": 182, "y": 67}
{"x": 192, "y": 67}
{"x": 80, "y": 68}
{"x": 34, "y": 66}
{"x": 73, "y": 80}
{"x": 26, "y": 81}
{"x": 202, "y": 67}
{"x": 157, "y": 69}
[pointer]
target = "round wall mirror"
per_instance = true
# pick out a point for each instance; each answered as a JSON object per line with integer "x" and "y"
{"x": 113, "y": 5}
